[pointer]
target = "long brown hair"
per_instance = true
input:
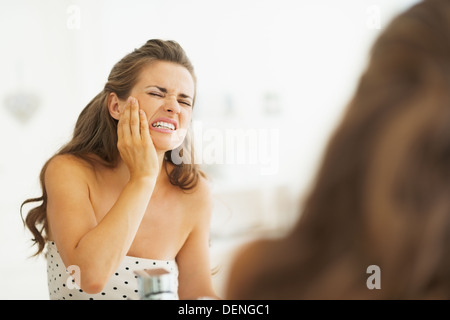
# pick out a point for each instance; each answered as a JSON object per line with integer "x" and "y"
{"x": 382, "y": 194}
{"x": 95, "y": 131}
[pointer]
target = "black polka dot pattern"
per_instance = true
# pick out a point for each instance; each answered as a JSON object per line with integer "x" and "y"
{"x": 123, "y": 284}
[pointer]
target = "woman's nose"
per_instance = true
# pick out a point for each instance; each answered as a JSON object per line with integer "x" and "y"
{"x": 171, "y": 105}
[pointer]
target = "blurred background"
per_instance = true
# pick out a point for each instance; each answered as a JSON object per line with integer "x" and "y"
{"x": 273, "y": 79}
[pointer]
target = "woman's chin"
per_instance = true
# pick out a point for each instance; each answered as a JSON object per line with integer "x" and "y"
{"x": 164, "y": 146}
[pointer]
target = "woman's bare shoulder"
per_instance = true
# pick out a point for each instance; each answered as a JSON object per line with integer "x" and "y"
{"x": 201, "y": 191}
{"x": 203, "y": 187}
{"x": 68, "y": 165}
{"x": 199, "y": 198}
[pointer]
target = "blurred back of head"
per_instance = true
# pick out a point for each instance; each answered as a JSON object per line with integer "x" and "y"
{"x": 382, "y": 194}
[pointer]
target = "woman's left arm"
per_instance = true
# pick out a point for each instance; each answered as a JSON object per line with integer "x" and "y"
{"x": 195, "y": 275}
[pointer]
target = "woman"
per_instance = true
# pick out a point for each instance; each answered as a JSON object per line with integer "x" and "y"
{"x": 114, "y": 200}
{"x": 376, "y": 224}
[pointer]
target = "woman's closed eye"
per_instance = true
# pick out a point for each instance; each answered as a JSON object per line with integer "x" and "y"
{"x": 185, "y": 102}
{"x": 182, "y": 101}
{"x": 156, "y": 94}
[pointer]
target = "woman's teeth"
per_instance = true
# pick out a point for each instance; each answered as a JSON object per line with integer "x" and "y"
{"x": 162, "y": 124}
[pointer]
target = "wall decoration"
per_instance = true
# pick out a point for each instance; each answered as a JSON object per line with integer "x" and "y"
{"x": 22, "y": 105}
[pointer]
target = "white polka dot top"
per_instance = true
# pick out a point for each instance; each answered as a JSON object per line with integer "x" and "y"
{"x": 123, "y": 284}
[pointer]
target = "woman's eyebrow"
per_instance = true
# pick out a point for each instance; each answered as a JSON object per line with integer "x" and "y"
{"x": 185, "y": 96}
{"x": 164, "y": 90}
{"x": 159, "y": 88}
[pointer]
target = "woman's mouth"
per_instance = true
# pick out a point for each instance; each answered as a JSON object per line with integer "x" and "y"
{"x": 165, "y": 125}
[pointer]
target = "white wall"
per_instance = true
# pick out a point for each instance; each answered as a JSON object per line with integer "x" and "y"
{"x": 284, "y": 69}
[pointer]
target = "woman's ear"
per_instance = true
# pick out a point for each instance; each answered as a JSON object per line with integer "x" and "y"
{"x": 114, "y": 106}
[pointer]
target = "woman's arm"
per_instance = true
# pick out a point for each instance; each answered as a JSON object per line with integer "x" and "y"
{"x": 98, "y": 248}
{"x": 194, "y": 257}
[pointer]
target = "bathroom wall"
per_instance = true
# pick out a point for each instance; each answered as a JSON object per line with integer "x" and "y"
{"x": 273, "y": 80}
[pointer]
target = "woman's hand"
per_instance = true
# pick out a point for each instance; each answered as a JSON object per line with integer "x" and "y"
{"x": 134, "y": 142}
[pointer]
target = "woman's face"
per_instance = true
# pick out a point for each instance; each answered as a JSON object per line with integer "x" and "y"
{"x": 165, "y": 92}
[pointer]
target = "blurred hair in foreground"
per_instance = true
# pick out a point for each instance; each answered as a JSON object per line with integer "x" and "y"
{"x": 382, "y": 193}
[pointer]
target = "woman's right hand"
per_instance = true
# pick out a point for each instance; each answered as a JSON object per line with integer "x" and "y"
{"x": 134, "y": 142}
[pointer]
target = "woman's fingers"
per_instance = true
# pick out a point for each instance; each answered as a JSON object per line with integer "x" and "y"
{"x": 130, "y": 123}
{"x": 134, "y": 142}
{"x": 135, "y": 123}
{"x": 123, "y": 128}
{"x": 145, "y": 131}
{"x": 133, "y": 128}
{"x": 134, "y": 119}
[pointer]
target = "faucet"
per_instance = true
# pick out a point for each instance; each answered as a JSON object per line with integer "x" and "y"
{"x": 156, "y": 284}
